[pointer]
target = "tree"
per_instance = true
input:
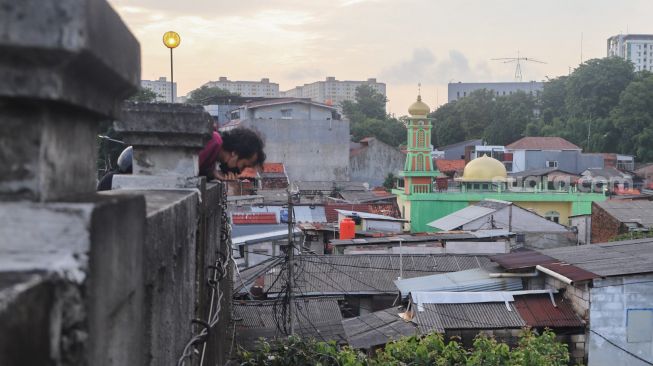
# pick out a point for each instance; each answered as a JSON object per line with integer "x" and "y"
{"x": 633, "y": 119}
{"x": 368, "y": 118}
{"x": 447, "y": 127}
{"x": 509, "y": 117}
{"x": 204, "y": 95}
{"x": 475, "y": 112}
{"x": 144, "y": 95}
{"x": 389, "y": 181}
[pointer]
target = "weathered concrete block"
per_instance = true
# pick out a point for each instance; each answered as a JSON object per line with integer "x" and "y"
{"x": 128, "y": 181}
{"x": 74, "y": 52}
{"x": 88, "y": 292}
{"x": 167, "y": 138}
{"x": 64, "y": 65}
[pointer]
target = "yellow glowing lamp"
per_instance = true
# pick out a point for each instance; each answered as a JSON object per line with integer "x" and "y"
{"x": 171, "y": 39}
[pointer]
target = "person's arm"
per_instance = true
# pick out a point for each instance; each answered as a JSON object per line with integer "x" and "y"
{"x": 219, "y": 175}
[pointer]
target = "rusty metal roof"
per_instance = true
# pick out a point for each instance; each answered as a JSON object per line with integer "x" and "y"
{"x": 522, "y": 259}
{"x": 570, "y": 271}
{"x": 538, "y": 311}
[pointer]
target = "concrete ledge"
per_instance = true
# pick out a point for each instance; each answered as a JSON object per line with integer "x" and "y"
{"x": 67, "y": 51}
{"x": 139, "y": 182}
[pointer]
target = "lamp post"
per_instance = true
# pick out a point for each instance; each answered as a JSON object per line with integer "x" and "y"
{"x": 171, "y": 40}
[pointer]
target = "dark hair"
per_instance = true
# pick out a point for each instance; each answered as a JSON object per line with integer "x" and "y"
{"x": 245, "y": 143}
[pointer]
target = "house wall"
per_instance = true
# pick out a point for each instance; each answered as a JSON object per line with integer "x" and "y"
{"x": 298, "y": 111}
{"x": 382, "y": 225}
{"x": 572, "y": 161}
{"x": 375, "y": 162}
{"x": 612, "y": 300}
{"x": 583, "y": 224}
{"x": 604, "y": 225}
{"x": 299, "y": 143}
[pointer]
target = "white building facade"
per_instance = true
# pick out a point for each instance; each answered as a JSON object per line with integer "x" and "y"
{"x": 459, "y": 90}
{"x": 263, "y": 88}
{"x": 333, "y": 92}
{"x": 636, "y": 48}
{"x": 165, "y": 92}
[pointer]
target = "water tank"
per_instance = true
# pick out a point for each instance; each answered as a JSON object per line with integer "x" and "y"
{"x": 347, "y": 229}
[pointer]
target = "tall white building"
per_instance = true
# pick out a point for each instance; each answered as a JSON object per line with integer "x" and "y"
{"x": 263, "y": 88}
{"x": 458, "y": 91}
{"x": 331, "y": 91}
{"x": 162, "y": 88}
{"x": 636, "y": 48}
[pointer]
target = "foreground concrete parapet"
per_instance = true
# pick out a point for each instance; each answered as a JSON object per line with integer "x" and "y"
{"x": 166, "y": 138}
{"x": 71, "y": 282}
{"x": 64, "y": 65}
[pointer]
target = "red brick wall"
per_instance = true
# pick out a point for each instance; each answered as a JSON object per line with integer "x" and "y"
{"x": 604, "y": 226}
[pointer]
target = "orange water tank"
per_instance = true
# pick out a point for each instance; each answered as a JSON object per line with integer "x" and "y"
{"x": 347, "y": 229}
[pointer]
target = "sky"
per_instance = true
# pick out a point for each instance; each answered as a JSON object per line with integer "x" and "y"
{"x": 399, "y": 42}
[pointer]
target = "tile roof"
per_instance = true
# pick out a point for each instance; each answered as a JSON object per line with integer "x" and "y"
{"x": 254, "y": 218}
{"x": 490, "y": 315}
{"x": 281, "y": 101}
{"x": 367, "y": 274}
{"x": 538, "y": 311}
{"x": 607, "y": 173}
{"x": 638, "y": 211}
{"x": 447, "y": 166}
{"x": 387, "y": 209}
{"x": 273, "y": 168}
{"x": 542, "y": 143}
{"x": 377, "y": 328}
{"x": 329, "y": 186}
{"x": 365, "y": 196}
{"x": 318, "y": 318}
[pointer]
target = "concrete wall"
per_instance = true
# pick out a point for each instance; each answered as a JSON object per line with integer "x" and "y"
{"x": 583, "y": 225}
{"x": 569, "y": 161}
{"x": 310, "y": 150}
{"x": 611, "y": 301}
{"x": 374, "y": 162}
{"x": 296, "y": 111}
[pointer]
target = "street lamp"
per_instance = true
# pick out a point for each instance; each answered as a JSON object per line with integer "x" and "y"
{"x": 171, "y": 40}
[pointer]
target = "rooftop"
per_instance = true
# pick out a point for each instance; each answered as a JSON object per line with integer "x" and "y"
{"x": 319, "y": 318}
{"x": 542, "y": 143}
{"x": 637, "y": 211}
{"x": 281, "y": 101}
{"x": 449, "y": 166}
{"x": 379, "y": 208}
{"x": 377, "y": 328}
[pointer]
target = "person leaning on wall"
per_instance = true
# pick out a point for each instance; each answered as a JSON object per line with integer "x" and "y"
{"x": 228, "y": 153}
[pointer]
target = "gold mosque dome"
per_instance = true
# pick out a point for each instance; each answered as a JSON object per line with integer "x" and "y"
{"x": 484, "y": 169}
{"x": 419, "y": 108}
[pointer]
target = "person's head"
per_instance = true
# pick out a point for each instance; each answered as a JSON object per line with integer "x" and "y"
{"x": 242, "y": 148}
{"x": 125, "y": 161}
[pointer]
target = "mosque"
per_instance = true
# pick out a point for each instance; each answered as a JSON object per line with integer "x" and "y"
{"x": 421, "y": 202}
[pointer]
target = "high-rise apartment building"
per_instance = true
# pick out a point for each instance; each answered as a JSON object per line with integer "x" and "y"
{"x": 332, "y": 91}
{"x": 458, "y": 91}
{"x": 636, "y": 48}
{"x": 263, "y": 88}
{"x": 162, "y": 88}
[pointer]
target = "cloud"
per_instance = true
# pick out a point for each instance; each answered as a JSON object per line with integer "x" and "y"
{"x": 424, "y": 67}
{"x": 303, "y": 73}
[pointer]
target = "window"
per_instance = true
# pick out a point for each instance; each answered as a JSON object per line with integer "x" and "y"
{"x": 421, "y": 137}
{"x": 420, "y": 163}
{"x": 639, "y": 325}
{"x": 551, "y": 164}
{"x": 286, "y": 114}
{"x": 552, "y": 216}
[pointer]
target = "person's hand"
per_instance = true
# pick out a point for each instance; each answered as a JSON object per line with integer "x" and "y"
{"x": 225, "y": 176}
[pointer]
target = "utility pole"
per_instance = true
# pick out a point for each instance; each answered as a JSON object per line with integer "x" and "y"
{"x": 401, "y": 260}
{"x": 291, "y": 254}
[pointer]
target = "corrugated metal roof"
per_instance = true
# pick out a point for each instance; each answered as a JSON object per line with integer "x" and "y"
{"x": 477, "y": 279}
{"x": 460, "y": 217}
{"x": 538, "y": 311}
{"x": 379, "y": 208}
{"x": 244, "y": 279}
{"x": 257, "y": 238}
{"x": 378, "y": 328}
{"x": 609, "y": 259}
{"x": 318, "y": 318}
{"x": 367, "y": 274}
{"x": 364, "y": 196}
{"x": 522, "y": 259}
{"x": 442, "y": 317}
{"x": 570, "y": 271}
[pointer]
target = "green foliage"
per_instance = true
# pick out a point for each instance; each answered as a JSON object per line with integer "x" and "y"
{"x": 633, "y": 235}
{"x": 368, "y": 118}
{"x": 204, "y": 95}
{"x": 144, "y": 95}
{"x": 389, "y": 181}
{"x": 431, "y": 349}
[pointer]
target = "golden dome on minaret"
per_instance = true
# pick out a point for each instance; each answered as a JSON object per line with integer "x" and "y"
{"x": 419, "y": 108}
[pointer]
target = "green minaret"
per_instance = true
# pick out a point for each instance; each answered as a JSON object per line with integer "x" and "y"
{"x": 419, "y": 171}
